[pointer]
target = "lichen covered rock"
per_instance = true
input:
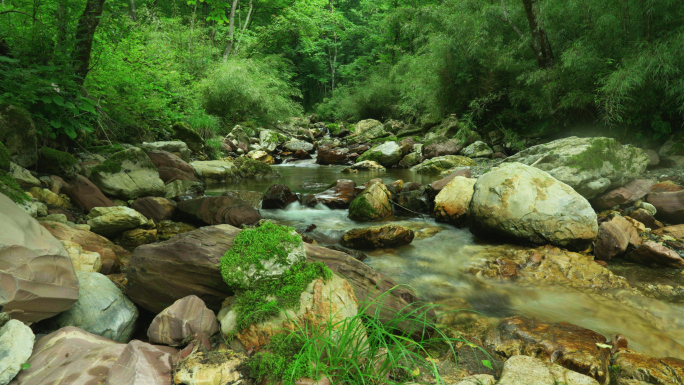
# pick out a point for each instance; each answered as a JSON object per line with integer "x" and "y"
{"x": 436, "y": 165}
{"x": 128, "y": 174}
{"x": 588, "y": 165}
{"x": 387, "y": 154}
{"x": 452, "y": 203}
{"x": 377, "y": 237}
{"x": 375, "y": 202}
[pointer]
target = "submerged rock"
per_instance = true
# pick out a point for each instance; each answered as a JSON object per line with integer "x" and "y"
{"x": 377, "y": 237}
{"x": 278, "y": 196}
{"x": 525, "y": 203}
{"x": 588, "y": 165}
{"x": 338, "y": 196}
{"x": 375, "y": 202}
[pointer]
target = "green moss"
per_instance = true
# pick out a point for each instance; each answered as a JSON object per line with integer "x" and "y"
{"x": 4, "y": 158}
{"x": 57, "y": 162}
{"x": 277, "y": 362}
{"x": 333, "y": 127}
{"x": 106, "y": 149}
{"x": 10, "y": 187}
{"x": 263, "y": 299}
{"x": 113, "y": 164}
{"x": 601, "y": 150}
{"x": 109, "y": 166}
{"x": 361, "y": 209}
{"x": 249, "y": 167}
{"x": 383, "y": 140}
{"x": 370, "y": 155}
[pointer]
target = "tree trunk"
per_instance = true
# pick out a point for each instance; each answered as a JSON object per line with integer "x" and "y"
{"x": 333, "y": 55}
{"x": 231, "y": 31}
{"x": 540, "y": 42}
{"x": 248, "y": 19}
{"x": 87, "y": 25}
{"x": 131, "y": 9}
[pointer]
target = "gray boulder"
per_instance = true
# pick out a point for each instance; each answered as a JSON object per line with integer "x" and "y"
{"x": 478, "y": 149}
{"x": 101, "y": 309}
{"x": 296, "y": 145}
{"x": 109, "y": 221}
{"x": 215, "y": 171}
{"x": 128, "y": 174}
{"x": 16, "y": 345}
{"x": 176, "y": 147}
{"x": 442, "y": 163}
{"x": 589, "y": 165}
{"x": 386, "y": 154}
{"x": 525, "y": 203}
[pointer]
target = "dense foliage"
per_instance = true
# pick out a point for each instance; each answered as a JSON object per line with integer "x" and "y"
{"x": 528, "y": 66}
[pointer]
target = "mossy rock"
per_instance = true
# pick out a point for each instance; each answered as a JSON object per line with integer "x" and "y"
{"x": 10, "y": 187}
{"x": 251, "y": 168}
{"x": 4, "y": 158}
{"x": 374, "y": 203}
{"x": 128, "y": 174}
{"x": 57, "y": 162}
{"x": 261, "y": 253}
{"x": 18, "y": 133}
{"x": 436, "y": 165}
{"x": 187, "y": 134}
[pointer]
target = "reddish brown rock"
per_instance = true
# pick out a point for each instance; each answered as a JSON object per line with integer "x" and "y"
{"x": 438, "y": 185}
{"x": 85, "y": 194}
{"x": 188, "y": 264}
{"x": 220, "y": 210}
{"x": 327, "y": 155}
{"x": 442, "y": 147}
{"x": 73, "y": 356}
{"x": 377, "y": 237}
{"x": 37, "y": 278}
{"x": 629, "y": 193}
{"x": 184, "y": 320}
{"x": 337, "y": 197}
{"x": 171, "y": 167}
{"x": 670, "y": 205}
{"x": 614, "y": 237}
{"x": 568, "y": 345}
{"x": 633, "y": 366}
{"x": 301, "y": 154}
{"x": 278, "y": 196}
{"x": 651, "y": 253}
{"x": 156, "y": 208}
{"x": 667, "y": 186}
{"x": 676, "y": 231}
{"x": 645, "y": 217}
{"x": 111, "y": 255}
{"x": 228, "y": 145}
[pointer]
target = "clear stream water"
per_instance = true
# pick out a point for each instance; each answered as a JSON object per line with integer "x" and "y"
{"x": 435, "y": 263}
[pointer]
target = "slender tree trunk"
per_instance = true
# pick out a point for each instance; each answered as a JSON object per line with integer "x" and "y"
{"x": 60, "y": 40}
{"x": 540, "y": 42}
{"x": 87, "y": 25}
{"x": 333, "y": 55}
{"x": 248, "y": 19}
{"x": 131, "y": 9}
{"x": 231, "y": 31}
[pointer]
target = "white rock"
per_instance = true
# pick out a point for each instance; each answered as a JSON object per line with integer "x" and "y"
{"x": 16, "y": 346}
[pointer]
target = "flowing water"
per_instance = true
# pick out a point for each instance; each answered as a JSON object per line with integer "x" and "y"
{"x": 434, "y": 266}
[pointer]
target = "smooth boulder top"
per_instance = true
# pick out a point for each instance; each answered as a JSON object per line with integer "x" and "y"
{"x": 589, "y": 165}
{"x": 525, "y": 203}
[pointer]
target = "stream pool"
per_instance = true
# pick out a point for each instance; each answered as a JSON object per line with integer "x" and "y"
{"x": 435, "y": 264}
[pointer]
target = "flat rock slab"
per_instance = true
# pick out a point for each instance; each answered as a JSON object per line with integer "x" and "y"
{"x": 570, "y": 346}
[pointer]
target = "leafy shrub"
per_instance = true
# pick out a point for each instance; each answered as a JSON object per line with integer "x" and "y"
{"x": 249, "y": 89}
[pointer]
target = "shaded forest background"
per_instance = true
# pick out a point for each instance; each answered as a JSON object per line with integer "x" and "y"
{"x": 94, "y": 69}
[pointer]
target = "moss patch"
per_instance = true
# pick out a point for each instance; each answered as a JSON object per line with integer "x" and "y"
{"x": 107, "y": 149}
{"x": 10, "y": 187}
{"x": 276, "y": 363}
{"x": 109, "y": 166}
{"x": 57, "y": 162}
{"x": 113, "y": 164}
{"x": 250, "y": 168}
{"x": 261, "y": 300}
{"x": 601, "y": 150}
{"x": 4, "y": 158}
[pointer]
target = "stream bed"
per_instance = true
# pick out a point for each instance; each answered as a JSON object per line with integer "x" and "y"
{"x": 435, "y": 265}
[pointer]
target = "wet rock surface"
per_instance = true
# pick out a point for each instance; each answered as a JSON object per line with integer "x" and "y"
{"x": 219, "y": 210}
{"x": 377, "y": 237}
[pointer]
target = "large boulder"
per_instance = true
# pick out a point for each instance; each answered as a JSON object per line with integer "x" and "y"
{"x": 568, "y": 345}
{"x": 323, "y": 304}
{"x": 525, "y": 203}
{"x": 16, "y": 345}
{"x": 387, "y": 154}
{"x": 182, "y": 131}
{"x": 338, "y": 196}
{"x": 366, "y": 125}
{"x": 188, "y": 264}
{"x": 478, "y": 149}
{"x": 375, "y": 202}
{"x": 437, "y": 148}
{"x": 101, "y": 309}
{"x": 219, "y": 210}
{"x": 128, "y": 174}
{"x": 37, "y": 278}
{"x": 111, "y": 255}
{"x": 175, "y": 147}
{"x": 670, "y": 205}
{"x": 439, "y": 164}
{"x": 171, "y": 167}
{"x": 377, "y": 237}
{"x": 532, "y": 371}
{"x": 85, "y": 194}
{"x": 18, "y": 134}
{"x": 108, "y": 221}
{"x": 179, "y": 323}
{"x": 298, "y": 145}
{"x": 155, "y": 208}
{"x": 278, "y": 196}
{"x": 588, "y": 165}
{"x": 452, "y": 203}
{"x": 269, "y": 140}
{"x": 73, "y": 356}
{"x": 216, "y": 171}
